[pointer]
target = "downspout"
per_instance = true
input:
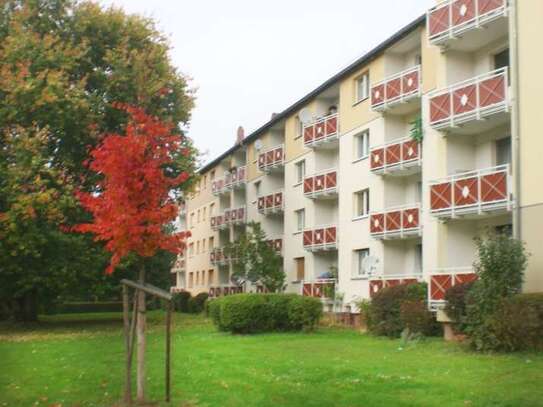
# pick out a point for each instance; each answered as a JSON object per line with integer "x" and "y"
{"x": 515, "y": 116}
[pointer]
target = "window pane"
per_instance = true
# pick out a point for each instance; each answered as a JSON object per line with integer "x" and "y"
{"x": 503, "y": 151}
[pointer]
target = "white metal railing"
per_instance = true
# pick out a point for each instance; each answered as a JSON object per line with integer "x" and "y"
{"x": 321, "y": 130}
{"x": 441, "y": 18}
{"x": 452, "y": 106}
{"x": 472, "y": 192}
{"x": 406, "y": 223}
{"x": 321, "y": 183}
{"x": 409, "y": 87}
{"x": 409, "y": 155}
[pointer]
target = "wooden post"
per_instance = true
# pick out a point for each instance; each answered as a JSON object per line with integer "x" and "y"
{"x": 140, "y": 372}
{"x": 126, "y": 323}
{"x": 168, "y": 347}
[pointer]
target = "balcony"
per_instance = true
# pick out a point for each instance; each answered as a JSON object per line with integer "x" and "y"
{"x": 271, "y": 204}
{"x": 179, "y": 265}
{"x": 323, "y": 238}
{"x": 479, "y": 192}
{"x": 233, "y": 179}
{"x": 457, "y": 24}
{"x": 394, "y": 93}
{"x": 224, "y": 290}
{"x": 322, "y": 185}
{"x": 319, "y": 288}
{"x": 236, "y": 216}
{"x": 469, "y": 103}
{"x": 400, "y": 157}
{"x": 276, "y": 244}
{"x": 377, "y": 283}
{"x": 322, "y": 132}
{"x": 396, "y": 223}
{"x": 217, "y": 257}
{"x": 443, "y": 279}
{"x": 272, "y": 159}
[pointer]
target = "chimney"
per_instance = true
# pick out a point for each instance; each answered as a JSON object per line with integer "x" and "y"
{"x": 273, "y": 115}
{"x": 240, "y": 135}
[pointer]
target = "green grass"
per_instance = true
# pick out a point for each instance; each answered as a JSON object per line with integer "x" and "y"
{"x": 77, "y": 360}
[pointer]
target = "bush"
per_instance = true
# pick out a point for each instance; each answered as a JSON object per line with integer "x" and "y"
{"x": 417, "y": 319}
{"x": 457, "y": 297}
{"x": 181, "y": 301}
{"x": 517, "y": 324}
{"x": 384, "y": 314}
{"x": 197, "y": 303}
{"x": 253, "y": 313}
{"x": 88, "y": 307}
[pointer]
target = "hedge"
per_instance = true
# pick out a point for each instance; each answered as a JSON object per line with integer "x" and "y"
{"x": 253, "y": 313}
{"x": 181, "y": 301}
{"x": 87, "y": 307}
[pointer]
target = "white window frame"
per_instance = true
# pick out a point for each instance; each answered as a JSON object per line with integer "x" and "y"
{"x": 300, "y": 172}
{"x": 300, "y": 216}
{"x": 365, "y": 78}
{"x": 360, "y": 255}
{"x": 359, "y": 214}
{"x": 362, "y": 138}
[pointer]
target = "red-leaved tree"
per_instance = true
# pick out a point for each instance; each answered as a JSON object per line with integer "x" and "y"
{"x": 135, "y": 198}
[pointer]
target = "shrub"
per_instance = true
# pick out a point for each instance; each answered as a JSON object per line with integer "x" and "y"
{"x": 196, "y": 304}
{"x": 181, "y": 301}
{"x": 417, "y": 319}
{"x": 456, "y": 298}
{"x": 252, "y": 313}
{"x": 88, "y": 307}
{"x": 383, "y": 313}
{"x": 516, "y": 324}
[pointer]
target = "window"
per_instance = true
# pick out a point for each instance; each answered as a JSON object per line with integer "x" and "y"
{"x": 198, "y": 217}
{"x": 209, "y": 277}
{"x": 362, "y": 203}
{"x": 211, "y": 209}
{"x": 204, "y": 214}
{"x": 418, "y": 258}
{"x": 257, "y": 188}
{"x": 300, "y": 171}
{"x": 205, "y": 181}
{"x": 212, "y": 176}
{"x": 300, "y": 268}
{"x": 505, "y": 230}
{"x": 211, "y": 244}
{"x": 191, "y": 279}
{"x": 418, "y": 59}
{"x": 503, "y": 151}
{"x": 501, "y": 59}
{"x": 362, "y": 87}
{"x": 198, "y": 247}
{"x": 299, "y": 128}
{"x": 203, "y": 245}
{"x": 191, "y": 249}
{"x": 192, "y": 220}
{"x": 362, "y": 145}
{"x": 300, "y": 219}
{"x": 360, "y": 255}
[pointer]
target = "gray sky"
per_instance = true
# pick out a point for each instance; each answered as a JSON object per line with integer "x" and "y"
{"x": 250, "y": 58}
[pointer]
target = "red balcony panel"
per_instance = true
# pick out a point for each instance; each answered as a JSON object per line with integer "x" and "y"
{"x": 410, "y": 150}
{"x": 465, "y": 99}
{"x": 439, "y": 21}
{"x": 439, "y": 284}
{"x": 211, "y": 292}
{"x": 393, "y": 282}
{"x": 492, "y": 91}
{"x": 262, "y": 160}
{"x": 218, "y": 291}
{"x": 466, "y": 191}
{"x": 261, "y": 203}
{"x": 241, "y": 174}
{"x": 494, "y": 187}
{"x": 226, "y": 216}
{"x": 331, "y": 180}
{"x": 307, "y": 289}
{"x": 393, "y": 221}
{"x": 319, "y": 183}
{"x": 440, "y": 108}
{"x": 441, "y": 196}
{"x": 319, "y": 130}
{"x": 214, "y": 187}
{"x": 213, "y": 221}
{"x": 269, "y": 201}
{"x": 308, "y": 185}
{"x": 375, "y": 287}
{"x": 308, "y": 237}
{"x": 233, "y": 215}
{"x": 331, "y": 125}
{"x": 309, "y": 134}
{"x": 317, "y": 290}
{"x": 241, "y": 214}
{"x": 411, "y": 82}
{"x": 234, "y": 176}
{"x": 330, "y": 235}
{"x": 411, "y": 218}
{"x": 270, "y": 157}
{"x": 212, "y": 257}
{"x": 393, "y": 154}
{"x": 465, "y": 278}
{"x": 377, "y": 223}
{"x": 228, "y": 178}
{"x": 278, "y": 155}
{"x": 278, "y": 244}
{"x": 377, "y": 158}
{"x": 278, "y": 199}
{"x": 393, "y": 88}
{"x": 463, "y": 11}
{"x": 378, "y": 94}
{"x": 486, "y": 6}
{"x": 318, "y": 236}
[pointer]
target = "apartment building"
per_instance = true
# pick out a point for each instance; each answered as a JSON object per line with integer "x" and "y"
{"x": 387, "y": 172}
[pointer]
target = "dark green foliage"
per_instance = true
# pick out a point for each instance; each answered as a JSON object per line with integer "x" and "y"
{"x": 456, "y": 298}
{"x": 417, "y": 318}
{"x": 384, "y": 315}
{"x": 86, "y": 307}
{"x": 253, "y": 313}
{"x": 181, "y": 301}
{"x": 196, "y": 304}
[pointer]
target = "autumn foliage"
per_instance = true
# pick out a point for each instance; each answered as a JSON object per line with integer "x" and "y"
{"x": 134, "y": 200}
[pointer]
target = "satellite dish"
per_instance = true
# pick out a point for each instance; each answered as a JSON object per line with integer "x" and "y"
{"x": 369, "y": 265}
{"x": 258, "y": 145}
{"x": 305, "y": 115}
{"x": 236, "y": 280}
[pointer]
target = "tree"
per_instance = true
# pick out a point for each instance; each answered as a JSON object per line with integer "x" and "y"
{"x": 62, "y": 64}
{"x": 256, "y": 260}
{"x": 135, "y": 200}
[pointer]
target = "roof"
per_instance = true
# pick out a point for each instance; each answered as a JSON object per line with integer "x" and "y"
{"x": 363, "y": 60}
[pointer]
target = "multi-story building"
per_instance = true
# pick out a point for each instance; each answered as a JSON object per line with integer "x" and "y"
{"x": 388, "y": 171}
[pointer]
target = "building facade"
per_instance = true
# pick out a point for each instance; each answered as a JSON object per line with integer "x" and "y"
{"x": 388, "y": 171}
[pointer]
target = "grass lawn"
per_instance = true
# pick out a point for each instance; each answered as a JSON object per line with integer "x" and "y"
{"x": 78, "y": 360}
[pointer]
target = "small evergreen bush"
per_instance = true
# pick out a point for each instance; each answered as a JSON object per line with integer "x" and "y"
{"x": 197, "y": 303}
{"x": 181, "y": 301}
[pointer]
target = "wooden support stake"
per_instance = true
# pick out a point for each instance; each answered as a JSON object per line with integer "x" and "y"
{"x": 168, "y": 348}
{"x": 127, "y": 340}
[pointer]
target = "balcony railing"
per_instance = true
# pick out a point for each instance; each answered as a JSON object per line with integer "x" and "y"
{"x": 452, "y": 18}
{"x": 232, "y": 179}
{"x": 322, "y": 238}
{"x": 377, "y": 283}
{"x": 223, "y": 290}
{"x": 321, "y": 131}
{"x": 179, "y": 265}
{"x": 322, "y": 184}
{"x": 396, "y": 89}
{"x": 271, "y": 159}
{"x": 217, "y": 257}
{"x": 474, "y": 192}
{"x": 396, "y": 156}
{"x": 396, "y": 223}
{"x": 272, "y": 203}
{"x": 443, "y": 279}
{"x": 276, "y": 244}
{"x": 474, "y": 99}
{"x": 318, "y": 288}
{"x": 235, "y": 216}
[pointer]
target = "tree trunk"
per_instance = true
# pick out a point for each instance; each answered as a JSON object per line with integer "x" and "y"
{"x": 140, "y": 374}
{"x": 26, "y": 307}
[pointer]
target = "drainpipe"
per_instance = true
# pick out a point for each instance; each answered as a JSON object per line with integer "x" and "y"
{"x": 515, "y": 115}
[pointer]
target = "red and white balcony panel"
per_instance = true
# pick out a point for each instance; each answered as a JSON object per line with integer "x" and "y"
{"x": 323, "y": 238}
{"x": 272, "y": 159}
{"x": 400, "y": 157}
{"x": 217, "y": 257}
{"x": 318, "y": 288}
{"x": 396, "y": 90}
{"x": 271, "y": 204}
{"x": 472, "y": 100}
{"x": 233, "y": 179}
{"x": 324, "y": 184}
{"x": 451, "y": 19}
{"x": 218, "y": 222}
{"x": 443, "y": 279}
{"x": 323, "y": 131}
{"x": 477, "y": 192}
{"x": 276, "y": 244}
{"x": 179, "y": 265}
{"x": 396, "y": 223}
{"x": 224, "y": 290}
{"x": 377, "y": 283}
{"x": 235, "y": 216}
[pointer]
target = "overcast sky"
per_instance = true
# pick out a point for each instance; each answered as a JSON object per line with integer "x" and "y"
{"x": 250, "y": 58}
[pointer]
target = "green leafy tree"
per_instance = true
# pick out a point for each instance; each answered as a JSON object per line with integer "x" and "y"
{"x": 63, "y": 64}
{"x": 256, "y": 260}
